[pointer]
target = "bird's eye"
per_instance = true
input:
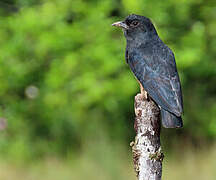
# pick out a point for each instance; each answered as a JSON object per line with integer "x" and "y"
{"x": 135, "y": 23}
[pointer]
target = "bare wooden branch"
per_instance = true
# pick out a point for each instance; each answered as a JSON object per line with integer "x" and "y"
{"x": 146, "y": 149}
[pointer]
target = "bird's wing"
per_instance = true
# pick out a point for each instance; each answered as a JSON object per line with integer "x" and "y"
{"x": 159, "y": 77}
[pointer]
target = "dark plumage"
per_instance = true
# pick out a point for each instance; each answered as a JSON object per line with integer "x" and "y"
{"x": 153, "y": 64}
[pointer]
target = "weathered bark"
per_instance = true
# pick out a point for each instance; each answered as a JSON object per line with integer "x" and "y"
{"x": 147, "y": 154}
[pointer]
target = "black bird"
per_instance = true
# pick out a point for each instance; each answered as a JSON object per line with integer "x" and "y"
{"x": 153, "y": 64}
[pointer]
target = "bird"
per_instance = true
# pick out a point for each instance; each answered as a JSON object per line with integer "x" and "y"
{"x": 153, "y": 64}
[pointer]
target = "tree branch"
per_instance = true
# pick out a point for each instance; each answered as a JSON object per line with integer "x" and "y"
{"x": 146, "y": 149}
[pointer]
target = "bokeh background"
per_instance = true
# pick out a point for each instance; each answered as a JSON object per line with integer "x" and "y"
{"x": 66, "y": 93}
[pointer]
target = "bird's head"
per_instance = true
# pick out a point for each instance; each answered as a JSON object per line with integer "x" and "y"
{"x": 135, "y": 26}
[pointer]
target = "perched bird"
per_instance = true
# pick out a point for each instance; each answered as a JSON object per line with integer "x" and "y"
{"x": 153, "y": 64}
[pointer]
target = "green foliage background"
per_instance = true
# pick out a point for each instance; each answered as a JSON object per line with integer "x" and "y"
{"x": 72, "y": 57}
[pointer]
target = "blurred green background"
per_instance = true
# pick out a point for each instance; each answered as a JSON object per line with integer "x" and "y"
{"x": 66, "y": 93}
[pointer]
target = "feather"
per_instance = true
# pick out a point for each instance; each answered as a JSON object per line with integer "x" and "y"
{"x": 156, "y": 70}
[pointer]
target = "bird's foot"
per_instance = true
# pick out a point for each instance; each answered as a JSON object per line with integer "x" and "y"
{"x": 145, "y": 96}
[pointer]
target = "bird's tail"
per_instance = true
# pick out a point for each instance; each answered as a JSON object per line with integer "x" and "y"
{"x": 170, "y": 120}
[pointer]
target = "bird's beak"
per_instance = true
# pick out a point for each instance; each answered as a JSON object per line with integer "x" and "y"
{"x": 120, "y": 24}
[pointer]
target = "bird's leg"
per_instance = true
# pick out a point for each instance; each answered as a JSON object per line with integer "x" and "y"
{"x": 143, "y": 92}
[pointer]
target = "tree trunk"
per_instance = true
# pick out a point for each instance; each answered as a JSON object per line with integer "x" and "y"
{"x": 147, "y": 154}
